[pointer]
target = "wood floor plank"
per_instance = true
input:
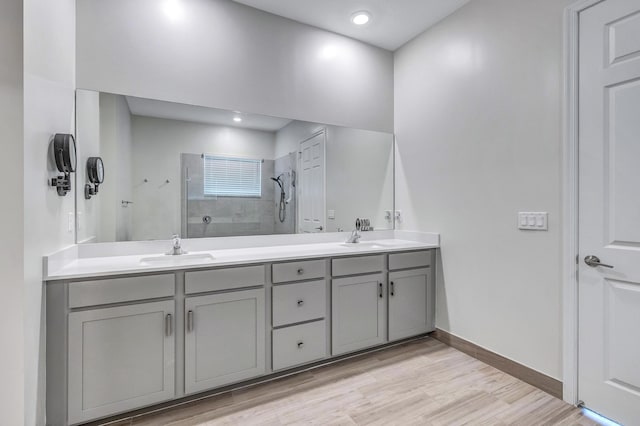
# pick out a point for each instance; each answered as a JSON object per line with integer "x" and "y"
{"x": 424, "y": 382}
{"x": 524, "y": 373}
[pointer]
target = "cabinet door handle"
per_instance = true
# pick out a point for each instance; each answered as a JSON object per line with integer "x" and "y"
{"x": 300, "y": 345}
{"x": 300, "y": 302}
{"x": 380, "y": 292}
{"x": 190, "y": 321}
{"x": 168, "y": 325}
{"x": 300, "y": 271}
{"x": 393, "y": 290}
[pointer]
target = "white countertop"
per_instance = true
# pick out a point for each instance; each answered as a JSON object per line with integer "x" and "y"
{"x": 85, "y": 267}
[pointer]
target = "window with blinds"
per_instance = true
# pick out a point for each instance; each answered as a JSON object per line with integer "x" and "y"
{"x": 232, "y": 177}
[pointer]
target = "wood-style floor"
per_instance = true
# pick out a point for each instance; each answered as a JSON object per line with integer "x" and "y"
{"x": 419, "y": 383}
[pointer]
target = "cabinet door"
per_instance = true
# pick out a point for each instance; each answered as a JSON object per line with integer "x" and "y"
{"x": 120, "y": 359}
{"x": 411, "y": 300}
{"x": 358, "y": 314}
{"x": 225, "y": 339}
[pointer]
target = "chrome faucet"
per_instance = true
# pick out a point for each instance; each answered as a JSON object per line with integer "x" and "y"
{"x": 177, "y": 246}
{"x": 355, "y": 234}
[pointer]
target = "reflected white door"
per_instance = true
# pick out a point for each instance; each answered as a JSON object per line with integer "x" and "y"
{"x": 609, "y": 214}
{"x": 312, "y": 187}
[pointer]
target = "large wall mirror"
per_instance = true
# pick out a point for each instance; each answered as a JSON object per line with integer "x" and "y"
{"x": 198, "y": 172}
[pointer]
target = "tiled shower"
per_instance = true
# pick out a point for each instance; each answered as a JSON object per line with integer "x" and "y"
{"x": 216, "y": 216}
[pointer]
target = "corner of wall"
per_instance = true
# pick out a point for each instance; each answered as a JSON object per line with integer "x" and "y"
{"x": 12, "y": 403}
{"x": 49, "y": 99}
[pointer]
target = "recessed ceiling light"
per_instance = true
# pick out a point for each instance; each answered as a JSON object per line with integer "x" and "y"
{"x": 237, "y": 119}
{"x": 361, "y": 18}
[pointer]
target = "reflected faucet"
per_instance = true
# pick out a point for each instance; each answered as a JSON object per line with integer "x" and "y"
{"x": 354, "y": 238}
{"x": 177, "y": 246}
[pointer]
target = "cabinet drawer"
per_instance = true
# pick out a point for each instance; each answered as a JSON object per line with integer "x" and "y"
{"x": 223, "y": 279}
{"x": 118, "y": 290}
{"x": 299, "y": 302}
{"x": 357, "y": 265}
{"x": 415, "y": 259}
{"x": 297, "y": 271}
{"x": 299, "y": 344}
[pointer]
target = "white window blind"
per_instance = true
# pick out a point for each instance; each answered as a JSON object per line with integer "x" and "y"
{"x": 232, "y": 177}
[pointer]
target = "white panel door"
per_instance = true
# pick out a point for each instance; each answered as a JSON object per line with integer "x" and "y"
{"x": 609, "y": 214}
{"x": 224, "y": 340}
{"x": 312, "y": 188}
{"x": 120, "y": 359}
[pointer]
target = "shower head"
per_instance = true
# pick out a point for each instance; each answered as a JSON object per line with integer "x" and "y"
{"x": 278, "y": 180}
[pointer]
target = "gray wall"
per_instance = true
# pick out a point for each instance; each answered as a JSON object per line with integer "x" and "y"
{"x": 226, "y": 55}
{"x": 49, "y": 85}
{"x": 88, "y": 145}
{"x": 478, "y": 124}
{"x": 359, "y": 171}
{"x": 11, "y": 250}
{"x": 157, "y": 145}
{"x": 116, "y": 147}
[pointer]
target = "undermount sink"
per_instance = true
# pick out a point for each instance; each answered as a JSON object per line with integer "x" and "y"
{"x": 181, "y": 259}
{"x": 365, "y": 245}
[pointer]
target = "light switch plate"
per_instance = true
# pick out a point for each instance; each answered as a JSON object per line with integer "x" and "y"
{"x": 398, "y": 215}
{"x": 533, "y": 221}
{"x": 331, "y": 214}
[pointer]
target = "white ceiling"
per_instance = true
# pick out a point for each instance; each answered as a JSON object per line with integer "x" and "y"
{"x": 204, "y": 115}
{"x": 393, "y": 22}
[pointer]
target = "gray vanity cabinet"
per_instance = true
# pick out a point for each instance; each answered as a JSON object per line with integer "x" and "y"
{"x": 224, "y": 338}
{"x": 410, "y": 304}
{"x": 120, "y": 358}
{"x": 114, "y": 344}
{"x": 358, "y": 312}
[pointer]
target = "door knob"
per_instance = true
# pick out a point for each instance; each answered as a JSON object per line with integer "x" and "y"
{"x": 319, "y": 228}
{"x": 593, "y": 261}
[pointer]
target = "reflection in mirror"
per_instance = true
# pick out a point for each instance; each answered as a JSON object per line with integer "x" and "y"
{"x": 205, "y": 172}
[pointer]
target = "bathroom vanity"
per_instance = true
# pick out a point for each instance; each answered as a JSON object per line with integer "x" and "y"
{"x": 280, "y": 288}
{"x": 124, "y": 332}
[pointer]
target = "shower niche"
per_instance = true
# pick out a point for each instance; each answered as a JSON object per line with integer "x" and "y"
{"x": 203, "y": 172}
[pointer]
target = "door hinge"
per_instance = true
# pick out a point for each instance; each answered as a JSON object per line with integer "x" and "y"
{"x": 577, "y": 259}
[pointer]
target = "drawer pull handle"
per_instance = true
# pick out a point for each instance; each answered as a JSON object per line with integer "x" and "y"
{"x": 300, "y": 303}
{"x": 190, "y": 321}
{"x": 300, "y": 345}
{"x": 168, "y": 325}
{"x": 393, "y": 290}
{"x": 380, "y": 293}
{"x": 300, "y": 271}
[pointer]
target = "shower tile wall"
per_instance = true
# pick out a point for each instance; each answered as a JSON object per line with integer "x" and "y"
{"x": 230, "y": 216}
{"x": 285, "y": 165}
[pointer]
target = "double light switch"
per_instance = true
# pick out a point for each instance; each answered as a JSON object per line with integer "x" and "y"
{"x": 533, "y": 221}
